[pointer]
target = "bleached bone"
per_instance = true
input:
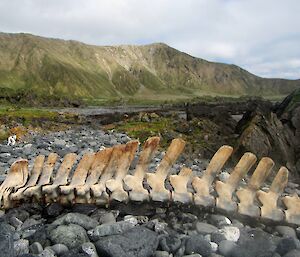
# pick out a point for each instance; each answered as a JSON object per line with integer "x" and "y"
{"x": 100, "y": 195}
{"x": 16, "y": 178}
{"x": 101, "y": 160}
{"x": 203, "y": 185}
{"x": 247, "y": 195}
{"x": 179, "y": 183}
{"x": 225, "y": 190}
{"x": 115, "y": 185}
{"x": 35, "y": 173}
{"x": 292, "y": 214}
{"x": 269, "y": 200}
{"x": 135, "y": 182}
{"x": 156, "y": 180}
{"x": 78, "y": 179}
{"x": 36, "y": 191}
{"x": 61, "y": 178}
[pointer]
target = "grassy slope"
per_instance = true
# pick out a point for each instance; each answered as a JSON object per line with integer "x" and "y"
{"x": 157, "y": 71}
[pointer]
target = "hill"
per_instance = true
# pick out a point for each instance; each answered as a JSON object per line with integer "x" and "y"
{"x": 39, "y": 67}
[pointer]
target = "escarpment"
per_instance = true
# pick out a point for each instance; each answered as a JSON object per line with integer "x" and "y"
{"x": 102, "y": 177}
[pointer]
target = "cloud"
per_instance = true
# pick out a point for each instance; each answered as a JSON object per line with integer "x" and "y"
{"x": 260, "y": 36}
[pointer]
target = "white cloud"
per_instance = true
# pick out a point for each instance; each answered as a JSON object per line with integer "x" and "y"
{"x": 261, "y": 36}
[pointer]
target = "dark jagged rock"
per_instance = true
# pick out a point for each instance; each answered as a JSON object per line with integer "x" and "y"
{"x": 6, "y": 240}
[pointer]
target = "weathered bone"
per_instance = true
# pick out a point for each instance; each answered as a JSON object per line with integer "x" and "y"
{"x": 247, "y": 195}
{"x": 101, "y": 160}
{"x": 78, "y": 179}
{"x": 106, "y": 170}
{"x": 99, "y": 190}
{"x": 156, "y": 180}
{"x": 269, "y": 200}
{"x": 225, "y": 190}
{"x": 292, "y": 214}
{"x": 36, "y": 191}
{"x": 135, "y": 182}
{"x": 202, "y": 185}
{"x": 16, "y": 178}
{"x": 61, "y": 178}
{"x": 36, "y": 171}
{"x": 179, "y": 183}
{"x": 115, "y": 185}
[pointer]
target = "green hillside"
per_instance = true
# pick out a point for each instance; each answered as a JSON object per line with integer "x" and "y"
{"x": 46, "y": 68}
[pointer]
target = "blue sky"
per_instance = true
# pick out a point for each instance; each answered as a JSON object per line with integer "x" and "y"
{"x": 262, "y": 36}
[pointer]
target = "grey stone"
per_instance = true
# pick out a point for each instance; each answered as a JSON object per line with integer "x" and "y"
{"x": 197, "y": 244}
{"x": 107, "y": 218}
{"x": 29, "y": 223}
{"x": 137, "y": 242}
{"x": 161, "y": 254}
{"x": 293, "y": 253}
{"x": 110, "y": 229}
{"x": 286, "y": 231}
{"x": 219, "y": 220}
{"x": 77, "y": 218}
{"x": 89, "y": 249}
{"x": 28, "y": 149}
{"x": 14, "y": 221}
{"x": 225, "y": 247}
{"x": 204, "y": 228}
{"x": 6, "y": 240}
{"x": 71, "y": 235}
{"x": 231, "y": 233}
{"x": 59, "y": 249}
{"x": 36, "y": 248}
{"x": 21, "y": 246}
{"x": 193, "y": 255}
{"x": 285, "y": 245}
{"x": 59, "y": 143}
{"x": 47, "y": 253}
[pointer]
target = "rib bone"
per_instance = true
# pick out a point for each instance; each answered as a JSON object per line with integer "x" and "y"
{"x": 78, "y": 179}
{"x": 61, "y": 178}
{"x": 247, "y": 195}
{"x": 202, "y": 185}
{"x": 135, "y": 182}
{"x": 101, "y": 161}
{"x": 179, "y": 183}
{"x": 36, "y": 171}
{"x": 115, "y": 185}
{"x": 269, "y": 200}
{"x": 156, "y": 181}
{"x": 16, "y": 178}
{"x": 225, "y": 190}
{"x": 99, "y": 189}
{"x": 36, "y": 191}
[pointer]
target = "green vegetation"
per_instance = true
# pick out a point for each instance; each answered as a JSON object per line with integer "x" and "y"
{"x": 36, "y": 71}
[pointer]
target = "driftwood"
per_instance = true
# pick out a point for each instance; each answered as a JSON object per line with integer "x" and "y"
{"x": 102, "y": 177}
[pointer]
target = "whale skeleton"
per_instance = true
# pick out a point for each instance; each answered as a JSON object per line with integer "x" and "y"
{"x": 102, "y": 177}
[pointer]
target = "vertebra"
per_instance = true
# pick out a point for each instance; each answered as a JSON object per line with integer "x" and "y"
{"x": 102, "y": 177}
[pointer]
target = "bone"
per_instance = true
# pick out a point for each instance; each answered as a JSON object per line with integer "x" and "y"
{"x": 115, "y": 185}
{"x": 292, "y": 214}
{"x": 15, "y": 179}
{"x": 36, "y": 191}
{"x": 35, "y": 174}
{"x": 135, "y": 182}
{"x": 269, "y": 209}
{"x": 61, "y": 178}
{"x": 225, "y": 190}
{"x": 101, "y": 161}
{"x": 100, "y": 195}
{"x": 78, "y": 179}
{"x": 179, "y": 183}
{"x": 156, "y": 180}
{"x": 247, "y": 195}
{"x": 203, "y": 185}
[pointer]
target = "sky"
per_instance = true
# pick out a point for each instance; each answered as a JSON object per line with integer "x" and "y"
{"x": 261, "y": 36}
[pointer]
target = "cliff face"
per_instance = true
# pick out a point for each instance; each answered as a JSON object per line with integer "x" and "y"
{"x": 73, "y": 69}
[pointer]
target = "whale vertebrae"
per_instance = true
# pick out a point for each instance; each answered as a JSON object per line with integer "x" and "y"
{"x": 103, "y": 176}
